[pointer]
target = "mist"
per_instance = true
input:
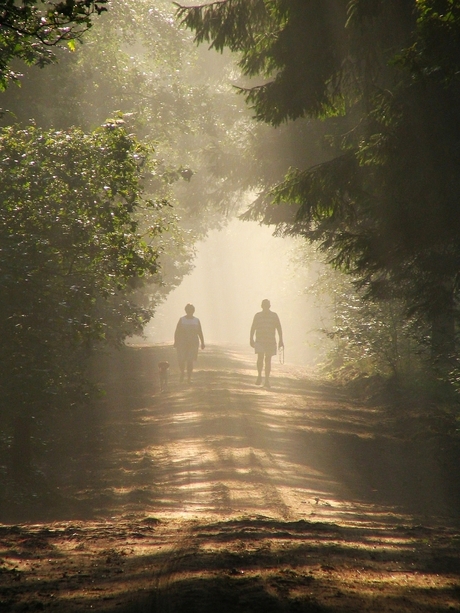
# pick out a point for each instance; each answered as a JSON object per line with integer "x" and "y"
{"x": 135, "y": 477}
{"x": 235, "y": 269}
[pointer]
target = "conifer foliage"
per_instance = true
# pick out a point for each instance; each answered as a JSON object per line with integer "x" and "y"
{"x": 385, "y": 75}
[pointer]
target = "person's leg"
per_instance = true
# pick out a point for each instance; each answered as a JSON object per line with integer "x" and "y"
{"x": 181, "y": 361}
{"x": 183, "y": 357}
{"x": 268, "y": 368}
{"x": 260, "y": 365}
{"x": 189, "y": 370}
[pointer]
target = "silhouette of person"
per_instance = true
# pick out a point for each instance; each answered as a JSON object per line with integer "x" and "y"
{"x": 187, "y": 336}
{"x": 264, "y": 326}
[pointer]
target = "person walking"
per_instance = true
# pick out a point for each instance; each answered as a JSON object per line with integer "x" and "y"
{"x": 264, "y": 326}
{"x": 187, "y": 338}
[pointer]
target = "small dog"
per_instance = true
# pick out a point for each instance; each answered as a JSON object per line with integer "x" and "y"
{"x": 163, "y": 372}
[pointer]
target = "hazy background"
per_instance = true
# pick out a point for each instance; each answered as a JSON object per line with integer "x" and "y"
{"x": 235, "y": 269}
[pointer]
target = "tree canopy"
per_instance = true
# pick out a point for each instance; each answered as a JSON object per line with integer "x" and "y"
{"x": 177, "y": 99}
{"x": 30, "y": 29}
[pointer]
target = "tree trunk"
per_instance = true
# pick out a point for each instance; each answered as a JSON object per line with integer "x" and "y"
{"x": 21, "y": 448}
{"x": 443, "y": 331}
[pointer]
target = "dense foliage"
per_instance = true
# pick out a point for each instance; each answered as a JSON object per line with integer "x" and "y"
{"x": 177, "y": 99}
{"x": 70, "y": 253}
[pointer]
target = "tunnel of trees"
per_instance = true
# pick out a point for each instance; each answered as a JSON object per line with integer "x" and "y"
{"x": 121, "y": 146}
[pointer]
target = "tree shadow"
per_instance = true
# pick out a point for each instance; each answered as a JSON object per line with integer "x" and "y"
{"x": 144, "y": 450}
{"x": 245, "y": 564}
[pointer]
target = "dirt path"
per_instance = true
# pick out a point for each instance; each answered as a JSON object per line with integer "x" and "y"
{"x": 225, "y": 495}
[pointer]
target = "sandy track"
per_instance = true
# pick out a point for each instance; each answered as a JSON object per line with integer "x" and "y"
{"x": 225, "y": 446}
{"x": 222, "y": 495}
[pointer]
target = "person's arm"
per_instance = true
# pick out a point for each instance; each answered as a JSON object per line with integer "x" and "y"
{"x": 177, "y": 334}
{"x": 252, "y": 332}
{"x": 200, "y": 335}
{"x": 280, "y": 332}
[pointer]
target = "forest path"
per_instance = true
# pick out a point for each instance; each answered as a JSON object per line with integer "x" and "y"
{"x": 222, "y": 445}
{"x": 223, "y": 495}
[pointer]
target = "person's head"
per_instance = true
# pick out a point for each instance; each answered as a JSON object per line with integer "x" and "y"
{"x": 265, "y": 304}
{"x": 189, "y": 309}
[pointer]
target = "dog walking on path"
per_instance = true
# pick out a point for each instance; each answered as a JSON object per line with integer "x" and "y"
{"x": 163, "y": 368}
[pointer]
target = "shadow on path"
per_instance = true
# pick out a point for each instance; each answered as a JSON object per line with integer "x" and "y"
{"x": 222, "y": 495}
{"x": 301, "y": 450}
